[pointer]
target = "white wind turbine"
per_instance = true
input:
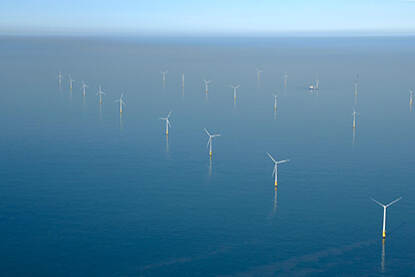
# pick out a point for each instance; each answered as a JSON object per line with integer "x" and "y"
{"x": 234, "y": 90}
{"x": 258, "y": 74}
{"x": 71, "y": 82}
{"x": 60, "y": 78}
{"x": 354, "y": 118}
{"x": 276, "y": 163}
{"x": 384, "y": 213}
{"x": 163, "y": 74}
{"x": 167, "y": 123}
{"x": 100, "y": 93}
{"x": 275, "y": 102}
{"x": 411, "y": 96}
{"x": 285, "y": 80}
{"x": 207, "y": 82}
{"x": 182, "y": 80}
{"x": 83, "y": 87}
{"x": 209, "y": 144}
{"x": 121, "y": 101}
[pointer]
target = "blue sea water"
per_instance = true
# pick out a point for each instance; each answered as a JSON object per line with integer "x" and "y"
{"x": 87, "y": 192}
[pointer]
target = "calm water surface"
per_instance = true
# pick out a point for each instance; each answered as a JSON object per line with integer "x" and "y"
{"x": 85, "y": 192}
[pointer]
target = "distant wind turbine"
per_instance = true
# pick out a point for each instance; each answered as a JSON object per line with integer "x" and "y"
{"x": 209, "y": 144}
{"x": 384, "y": 213}
{"x": 275, "y": 102}
{"x": 121, "y": 101}
{"x": 258, "y": 75}
{"x": 83, "y": 87}
{"x": 354, "y": 118}
{"x": 276, "y": 163}
{"x": 100, "y": 93}
{"x": 60, "y": 78}
{"x": 207, "y": 82}
{"x": 234, "y": 91}
{"x": 71, "y": 82}
{"x": 411, "y": 96}
{"x": 167, "y": 123}
{"x": 163, "y": 74}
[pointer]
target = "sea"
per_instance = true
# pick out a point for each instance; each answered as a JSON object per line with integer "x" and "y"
{"x": 88, "y": 191}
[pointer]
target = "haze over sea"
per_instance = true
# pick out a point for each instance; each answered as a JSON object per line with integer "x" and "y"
{"x": 85, "y": 192}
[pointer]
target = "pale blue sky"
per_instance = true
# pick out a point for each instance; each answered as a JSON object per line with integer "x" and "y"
{"x": 207, "y": 17}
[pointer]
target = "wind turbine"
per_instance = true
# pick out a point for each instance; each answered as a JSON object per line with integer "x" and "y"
{"x": 167, "y": 123}
{"x": 164, "y": 73}
{"x": 83, "y": 87}
{"x": 384, "y": 213}
{"x": 258, "y": 74}
{"x": 275, "y": 102}
{"x": 182, "y": 80}
{"x": 100, "y": 93}
{"x": 60, "y": 78}
{"x": 121, "y": 101}
{"x": 354, "y": 118}
{"x": 207, "y": 82}
{"x": 411, "y": 96}
{"x": 276, "y": 163}
{"x": 234, "y": 91}
{"x": 71, "y": 82}
{"x": 285, "y": 80}
{"x": 209, "y": 144}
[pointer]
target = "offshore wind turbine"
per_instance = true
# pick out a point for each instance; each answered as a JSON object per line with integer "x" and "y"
{"x": 209, "y": 144}
{"x": 285, "y": 80}
{"x": 354, "y": 118}
{"x": 234, "y": 91}
{"x": 83, "y": 87}
{"x": 121, "y": 101}
{"x": 411, "y": 96}
{"x": 60, "y": 78}
{"x": 275, "y": 172}
{"x": 167, "y": 123}
{"x": 207, "y": 82}
{"x": 384, "y": 213}
{"x": 258, "y": 75}
{"x": 100, "y": 93}
{"x": 275, "y": 102}
{"x": 182, "y": 80}
{"x": 163, "y": 74}
{"x": 71, "y": 82}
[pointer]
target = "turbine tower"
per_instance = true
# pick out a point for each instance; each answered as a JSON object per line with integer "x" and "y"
{"x": 275, "y": 172}
{"x": 207, "y": 82}
{"x": 285, "y": 80}
{"x": 258, "y": 75}
{"x": 354, "y": 118}
{"x": 384, "y": 213}
{"x": 182, "y": 80}
{"x": 167, "y": 123}
{"x": 209, "y": 144}
{"x": 275, "y": 102}
{"x": 83, "y": 87}
{"x": 121, "y": 101}
{"x": 71, "y": 82}
{"x": 100, "y": 93}
{"x": 60, "y": 78}
{"x": 234, "y": 91}
{"x": 411, "y": 96}
{"x": 163, "y": 74}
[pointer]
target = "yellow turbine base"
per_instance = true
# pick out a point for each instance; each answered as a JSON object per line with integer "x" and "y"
{"x": 210, "y": 154}
{"x": 276, "y": 184}
{"x": 383, "y": 234}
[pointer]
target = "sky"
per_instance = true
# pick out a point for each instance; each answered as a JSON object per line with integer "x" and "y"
{"x": 206, "y": 17}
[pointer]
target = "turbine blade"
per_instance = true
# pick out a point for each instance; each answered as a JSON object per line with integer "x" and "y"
{"x": 377, "y": 202}
{"x": 283, "y": 161}
{"x": 271, "y": 157}
{"x": 207, "y": 132}
{"x": 393, "y": 202}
